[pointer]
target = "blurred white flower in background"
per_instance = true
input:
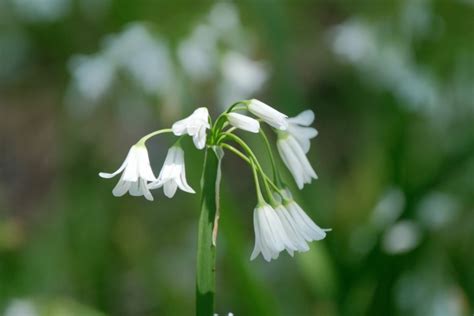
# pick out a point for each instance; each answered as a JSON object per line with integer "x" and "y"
{"x": 20, "y": 307}
{"x": 143, "y": 55}
{"x": 219, "y": 49}
{"x": 93, "y": 76}
{"x": 242, "y": 77}
{"x": 216, "y": 50}
{"x": 198, "y": 52}
{"x": 389, "y": 208}
{"x": 224, "y": 17}
{"x": 137, "y": 53}
{"x": 437, "y": 210}
{"x": 401, "y": 238}
{"x": 388, "y": 63}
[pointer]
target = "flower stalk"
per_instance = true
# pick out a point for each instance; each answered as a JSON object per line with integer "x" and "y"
{"x": 208, "y": 224}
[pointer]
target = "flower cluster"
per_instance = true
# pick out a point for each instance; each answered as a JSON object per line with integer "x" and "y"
{"x": 280, "y": 224}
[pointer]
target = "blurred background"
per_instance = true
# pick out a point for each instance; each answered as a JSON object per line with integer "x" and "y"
{"x": 392, "y": 86}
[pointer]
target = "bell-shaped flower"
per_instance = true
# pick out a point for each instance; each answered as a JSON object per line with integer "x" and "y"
{"x": 136, "y": 174}
{"x": 173, "y": 174}
{"x": 301, "y": 222}
{"x": 270, "y": 236}
{"x": 268, "y": 114}
{"x": 299, "y": 128}
{"x": 244, "y": 122}
{"x": 195, "y": 125}
{"x": 295, "y": 159}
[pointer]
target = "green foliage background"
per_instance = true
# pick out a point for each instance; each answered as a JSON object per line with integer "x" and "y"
{"x": 68, "y": 247}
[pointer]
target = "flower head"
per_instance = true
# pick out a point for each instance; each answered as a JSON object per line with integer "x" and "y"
{"x": 271, "y": 116}
{"x": 173, "y": 174}
{"x": 244, "y": 122}
{"x": 136, "y": 174}
{"x": 195, "y": 126}
{"x": 295, "y": 159}
{"x": 270, "y": 236}
{"x": 299, "y": 128}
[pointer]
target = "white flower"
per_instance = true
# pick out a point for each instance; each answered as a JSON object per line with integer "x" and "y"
{"x": 298, "y": 127}
{"x": 194, "y": 125}
{"x": 244, "y": 122}
{"x": 136, "y": 173}
{"x": 173, "y": 174}
{"x": 305, "y": 226}
{"x": 295, "y": 159}
{"x": 270, "y": 236}
{"x": 292, "y": 230}
{"x": 268, "y": 114}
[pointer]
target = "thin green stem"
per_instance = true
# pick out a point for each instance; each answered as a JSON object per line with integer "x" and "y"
{"x": 276, "y": 173}
{"x": 261, "y": 200}
{"x": 253, "y": 157}
{"x": 156, "y": 133}
{"x": 246, "y": 159}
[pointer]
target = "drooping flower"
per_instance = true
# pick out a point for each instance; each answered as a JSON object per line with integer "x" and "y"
{"x": 136, "y": 174}
{"x": 244, "y": 122}
{"x": 292, "y": 230}
{"x": 295, "y": 159}
{"x": 173, "y": 174}
{"x": 268, "y": 114}
{"x": 299, "y": 128}
{"x": 195, "y": 125}
{"x": 302, "y": 223}
{"x": 270, "y": 236}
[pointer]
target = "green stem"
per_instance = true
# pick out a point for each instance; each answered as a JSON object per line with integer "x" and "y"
{"x": 246, "y": 159}
{"x": 208, "y": 223}
{"x": 147, "y": 137}
{"x": 255, "y": 164}
{"x": 276, "y": 173}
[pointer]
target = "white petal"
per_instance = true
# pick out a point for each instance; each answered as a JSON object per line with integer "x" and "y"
{"x": 257, "y": 248}
{"x": 121, "y": 188}
{"x": 306, "y": 226}
{"x": 291, "y": 230}
{"x": 170, "y": 188}
{"x": 303, "y": 135}
{"x": 145, "y": 191}
{"x": 291, "y": 162}
{"x": 305, "y": 118}
{"x": 301, "y": 156}
{"x": 134, "y": 189}
{"x": 244, "y": 122}
{"x": 268, "y": 114}
{"x": 106, "y": 175}
{"x": 131, "y": 170}
{"x": 144, "y": 167}
{"x": 200, "y": 138}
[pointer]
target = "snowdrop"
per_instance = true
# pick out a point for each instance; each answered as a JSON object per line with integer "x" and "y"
{"x": 268, "y": 114}
{"x": 299, "y": 128}
{"x": 195, "y": 125}
{"x": 295, "y": 159}
{"x": 270, "y": 236}
{"x": 173, "y": 173}
{"x": 136, "y": 174}
{"x": 244, "y": 122}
